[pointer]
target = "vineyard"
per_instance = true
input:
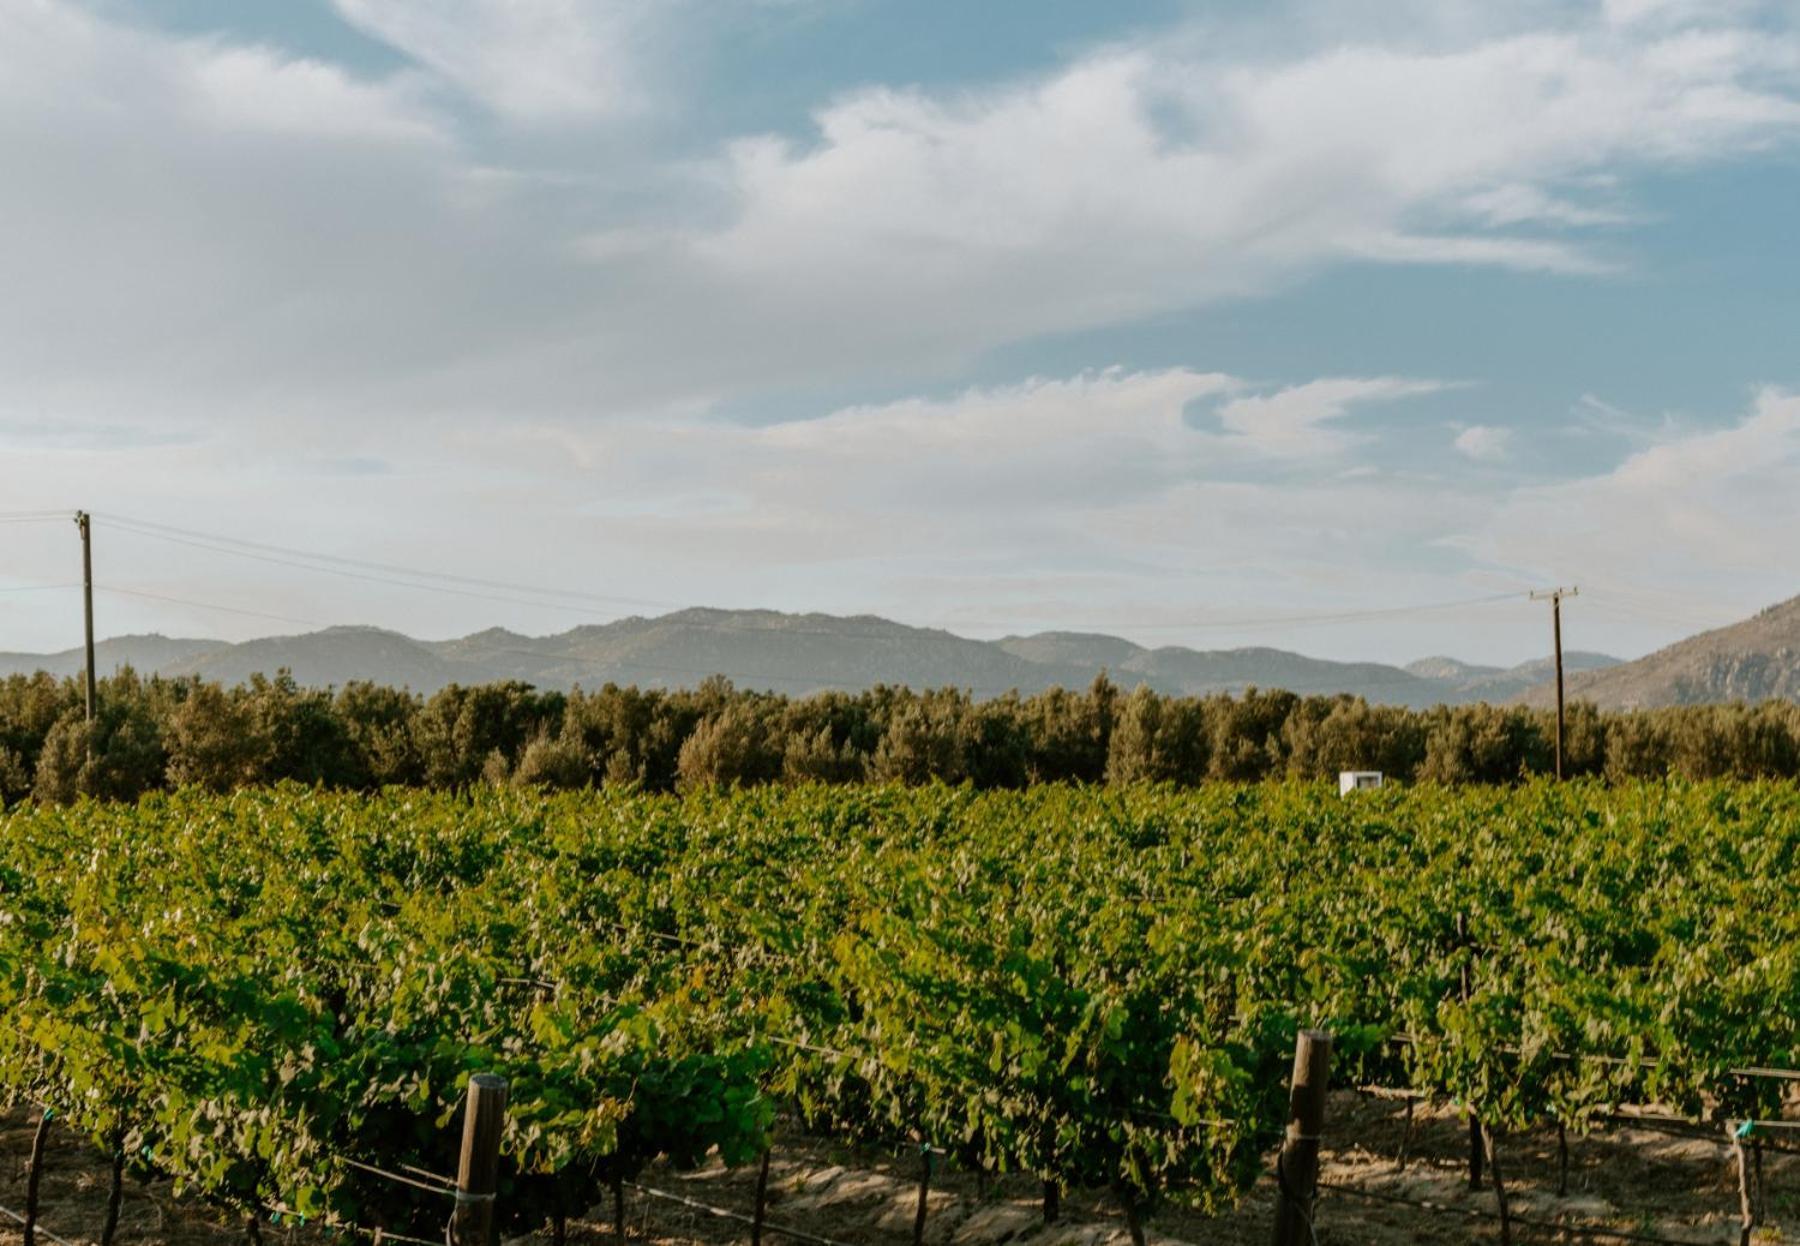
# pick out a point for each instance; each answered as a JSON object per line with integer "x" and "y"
{"x": 261, "y": 996}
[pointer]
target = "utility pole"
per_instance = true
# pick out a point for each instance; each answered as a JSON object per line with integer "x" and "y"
{"x": 87, "y": 601}
{"x": 1555, "y": 596}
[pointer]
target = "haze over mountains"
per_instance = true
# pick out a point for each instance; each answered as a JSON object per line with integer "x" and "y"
{"x": 796, "y": 654}
{"x": 1754, "y": 660}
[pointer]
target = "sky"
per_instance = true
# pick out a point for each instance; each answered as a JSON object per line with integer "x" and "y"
{"x": 1330, "y": 325}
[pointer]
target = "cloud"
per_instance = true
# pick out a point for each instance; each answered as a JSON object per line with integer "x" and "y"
{"x": 1144, "y": 178}
{"x": 1101, "y": 473}
{"x": 1083, "y": 500}
{"x": 305, "y": 243}
{"x": 1296, "y": 421}
{"x": 320, "y": 270}
{"x": 1696, "y": 511}
{"x": 1484, "y": 443}
{"x": 532, "y": 61}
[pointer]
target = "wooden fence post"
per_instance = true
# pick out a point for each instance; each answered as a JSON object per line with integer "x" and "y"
{"x": 1297, "y": 1171}
{"x": 478, "y": 1172}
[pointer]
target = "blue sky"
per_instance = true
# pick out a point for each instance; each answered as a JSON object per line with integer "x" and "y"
{"x": 1209, "y": 324}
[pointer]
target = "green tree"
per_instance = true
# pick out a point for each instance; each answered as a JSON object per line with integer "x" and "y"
{"x": 458, "y": 729}
{"x": 554, "y": 761}
{"x": 819, "y": 758}
{"x": 733, "y": 747}
{"x": 212, "y": 741}
{"x": 1245, "y": 734}
{"x": 1070, "y": 732}
{"x": 1157, "y": 740}
{"x": 925, "y": 740}
{"x": 119, "y": 758}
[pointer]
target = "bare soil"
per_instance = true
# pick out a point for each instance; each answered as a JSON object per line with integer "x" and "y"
{"x": 1623, "y": 1177}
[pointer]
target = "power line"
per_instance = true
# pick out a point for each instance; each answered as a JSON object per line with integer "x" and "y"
{"x": 386, "y": 573}
{"x": 395, "y": 575}
{"x": 338, "y": 564}
{"x": 359, "y": 575}
{"x": 208, "y": 605}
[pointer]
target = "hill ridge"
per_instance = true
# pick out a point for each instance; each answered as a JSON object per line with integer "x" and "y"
{"x": 795, "y": 653}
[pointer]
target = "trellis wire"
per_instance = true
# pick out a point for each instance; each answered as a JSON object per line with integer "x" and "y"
{"x": 799, "y": 1235}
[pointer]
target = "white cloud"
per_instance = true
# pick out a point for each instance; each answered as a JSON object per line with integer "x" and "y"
{"x": 1297, "y": 421}
{"x": 316, "y": 266}
{"x": 1146, "y": 178}
{"x": 1101, "y": 472}
{"x": 1086, "y": 500}
{"x": 1698, "y": 510}
{"x": 64, "y": 67}
{"x": 305, "y": 243}
{"x": 1485, "y": 443}
{"x": 528, "y": 60}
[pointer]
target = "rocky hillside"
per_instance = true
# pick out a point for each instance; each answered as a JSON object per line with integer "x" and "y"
{"x": 1756, "y": 660}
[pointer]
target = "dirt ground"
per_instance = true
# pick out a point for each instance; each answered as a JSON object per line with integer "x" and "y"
{"x": 1626, "y": 1177}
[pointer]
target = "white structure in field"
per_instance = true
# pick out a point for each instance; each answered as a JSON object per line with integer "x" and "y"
{"x": 1355, "y": 780}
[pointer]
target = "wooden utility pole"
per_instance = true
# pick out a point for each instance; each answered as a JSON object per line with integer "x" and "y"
{"x": 478, "y": 1173}
{"x": 87, "y": 602}
{"x": 1554, "y": 596}
{"x": 1298, "y": 1168}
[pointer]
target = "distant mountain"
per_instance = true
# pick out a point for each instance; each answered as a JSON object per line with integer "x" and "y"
{"x": 1503, "y": 683}
{"x": 1755, "y": 660}
{"x": 792, "y": 653}
{"x": 1450, "y": 668}
{"x": 143, "y": 653}
{"x": 333, "y": 657}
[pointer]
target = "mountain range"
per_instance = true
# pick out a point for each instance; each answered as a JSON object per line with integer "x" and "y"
{"x": 793, "y": 653}
{"x": 1754, "y": 660}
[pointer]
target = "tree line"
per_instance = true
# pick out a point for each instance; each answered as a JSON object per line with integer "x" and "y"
{"x": 153, "y": 733}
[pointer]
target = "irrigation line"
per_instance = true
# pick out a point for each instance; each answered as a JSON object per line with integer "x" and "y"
{"x": 1477, "y": 1213}
{"x": 350, "y": 1226}
{"x": 1679, "y": 1127}
{"x": 799, "y": 1235}
{"x": 39, "y": 1229}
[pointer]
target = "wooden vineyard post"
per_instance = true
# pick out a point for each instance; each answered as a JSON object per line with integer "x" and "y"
{"x": 1761, "y": 1210}
{"x": 924, "y": 1193}
{"x": 762, "y": 1200}
{"x": 31, "y": 1179}
{"x": 1746, "y": 1214}
{"x": 478, "y": 1172}
{"x": 1475, "y": 1143}
{"x": 115, "y": 1194}
{"x": 1297, "y": 1171}
{"x": 1562, "y": 1159}
{"x": 1493, "y": 1156}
